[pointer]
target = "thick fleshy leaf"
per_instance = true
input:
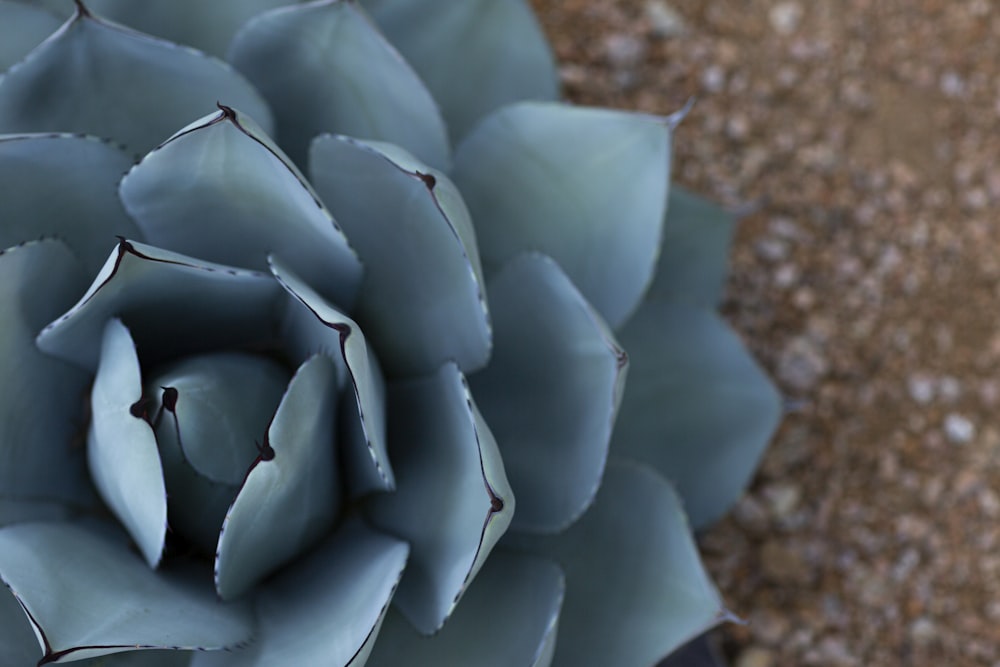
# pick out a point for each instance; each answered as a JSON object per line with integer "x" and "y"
{"x": 42, "y": 412}
{"x": 17, "y": 638}
{"x": 453, "y": 501}
{"x": 551, "y": 391}
{"x": 222, "y": 191}
{"x": 121, "y": 448}
{"x": 585, "y": 186}
{"x": 153, "y": 291}
{"x": 208, "y": 26}
{"x": 324, "y": 67}
{"x": 291, "y": 495}
{"x": 508, "y": 617}
{"x": 22, "y": 28}
{"x": 326, "y": 610}
{"x": 151, "y": 658}
{"x": 635, "y": 587}
{"x": 63, "y": 185}
{"x": 697, "y": 408}
{"x": 504, "y": 55}
{"x": 310, "y": 324}
{"x": 210, "y": 414}
{"x": 694, "y": 257}
{"x": 421, "y": 299}
{"x": 99, "y": 78}
{"x": 86, "y": 595}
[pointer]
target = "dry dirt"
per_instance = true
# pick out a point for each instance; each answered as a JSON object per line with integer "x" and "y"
{"x": 866, "y": 281}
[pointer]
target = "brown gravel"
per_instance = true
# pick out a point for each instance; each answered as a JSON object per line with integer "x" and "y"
{"x": 866, "y": 282}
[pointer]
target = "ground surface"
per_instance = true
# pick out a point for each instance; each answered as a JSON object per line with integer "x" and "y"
{"x": 867, "y": 283}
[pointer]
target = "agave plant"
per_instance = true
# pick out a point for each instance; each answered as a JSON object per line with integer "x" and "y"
{"x": 255, "y": 417}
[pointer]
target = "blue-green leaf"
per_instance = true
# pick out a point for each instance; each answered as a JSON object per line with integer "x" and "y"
{"x": 694, "y": 257}
{"x": 504, "y": 55}
{"x": 509, "y": 616}
{"x": 324, "y": 67}
{"x": 173, "y": 305}
{"x": 85, "y": 595}
{"x": 210, "y": 413}
{"x": 551, "y": 391}
{"x": 208, "y": 26}
{"x": 64, "y": 186}
{"x": 310, "y": 324}
{"x": 121, "y": 447}
{"x": 697, "y": 407}
{"x": 20, "y": 647}
{"x": 291, "y": 495}
{"x": 635, "y": 586}
{"x": 328, "y": 608}
{"x": 421, "y": 300}
{"x": 98, "y": 78}
{"x": 452, "y": 502}
{"x": 42, "y": 457}
{"x": 222, "y": 191}
{"x": 586, "y": 186}
{"x": 22, "y": 28}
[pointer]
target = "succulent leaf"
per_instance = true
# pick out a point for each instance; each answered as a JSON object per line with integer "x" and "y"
{"x": 586, "y": 186}
{"x": 310, "y": 324}
{"x": 421, "y": 300}
{"x": 62, "y": 185}
{"x": 95, "y": 77}
{"x": 324, "y": 67}
{"x": 17, "y": 637}
{"x": 165, "y": 658}
{"x": 551, "y": 392}
{"x": 211, "y": 31}
{"x": 22, "y": 28}
{"x": 341, "y": 592}
{"x": 86, "y": 595}
{"x": 43, "y": 396}
{"x": 452, "y": 502}
{"x": 698, "y": 408}
{"x": 148, "y": 288}
{"x": 221, "y": 190}
{"x": 635, "y": 587}
{"x": 291, "y": 494}
{"x": 209, "y": 413}
{"x": 429, "y": 34}
{"x": 121, "y": 447}
{"x": 694, "y": 254}
{"x": 508, "y": 617}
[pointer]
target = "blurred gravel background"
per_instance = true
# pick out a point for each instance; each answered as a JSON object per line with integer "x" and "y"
{"x": 867, "y": 283}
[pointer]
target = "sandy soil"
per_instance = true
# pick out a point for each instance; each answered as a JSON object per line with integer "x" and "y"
{"x": 866, "y": 282}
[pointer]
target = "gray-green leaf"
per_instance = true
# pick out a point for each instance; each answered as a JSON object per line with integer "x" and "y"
{"x": 586, "y": 186}
{"x": 551, "y": 391}
{"x": 635, "y": 587}
{"x": 422, "y": 300}
{"x": 452, "y": 502}
{"x": 504, "y": 56}
{"x": 222, "y": 191}
{"x": 697, "y": 407}
{"x": 121, "y": 447}
{"x": 324, "y": 67}
{"x": 87, "y": 595}
{"x": 98, "y": 78}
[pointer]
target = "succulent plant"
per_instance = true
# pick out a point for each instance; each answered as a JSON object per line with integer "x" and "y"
{"x": 252, "y": 417}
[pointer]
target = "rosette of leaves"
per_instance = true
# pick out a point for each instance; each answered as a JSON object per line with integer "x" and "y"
{"x": 317, "y": 323}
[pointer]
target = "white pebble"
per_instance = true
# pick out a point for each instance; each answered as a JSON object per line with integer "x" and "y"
{"x": 958, "y": 429}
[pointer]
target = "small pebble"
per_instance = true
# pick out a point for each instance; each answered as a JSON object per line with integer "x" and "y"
{"x": 785, "y": 17}
{"x": 801, "y": 364}
{"x": 755, "y": 657}
{"x": 958, "y": 429}
{"x": 664, "y": 19}
{"x": 624, "y": 51}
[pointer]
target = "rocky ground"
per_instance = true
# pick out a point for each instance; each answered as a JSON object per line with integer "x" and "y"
{"x": 862, "y": 134}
